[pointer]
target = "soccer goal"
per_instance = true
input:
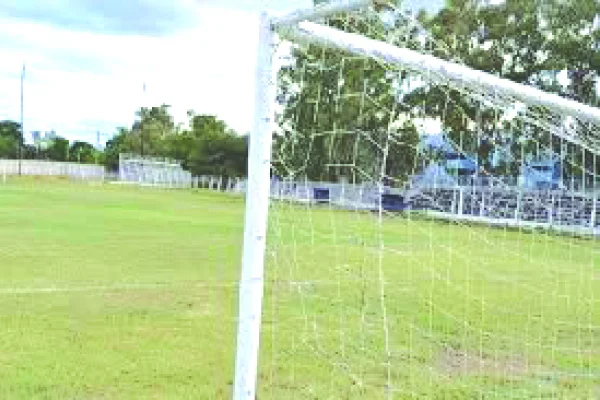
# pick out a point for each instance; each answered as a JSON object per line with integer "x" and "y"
{"x": 152, "y": 171}
{"x": 434, "y": 230}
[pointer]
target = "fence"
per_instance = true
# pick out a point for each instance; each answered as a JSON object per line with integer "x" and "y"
{"x": 220, "y": 183}
{"x": 572, "y": 184}
{"x": 495, "y": 203}
{"x": 51, "y": 168}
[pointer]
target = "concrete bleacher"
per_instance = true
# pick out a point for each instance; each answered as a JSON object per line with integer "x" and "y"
{"x": 493, "y": 202}
{"x": 553, "y": 207}
{"x": 498, "y": 200}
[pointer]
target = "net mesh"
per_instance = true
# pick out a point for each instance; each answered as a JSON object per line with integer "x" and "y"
{"x": 427, "y": 238}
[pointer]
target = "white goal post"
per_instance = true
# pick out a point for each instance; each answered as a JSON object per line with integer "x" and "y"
{"x": 255, "y": 226}
{"x": 302, "y": 26}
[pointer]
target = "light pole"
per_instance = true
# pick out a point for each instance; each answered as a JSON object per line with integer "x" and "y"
{"x": 142, "y": 121}
{"x": 22, "y": 138}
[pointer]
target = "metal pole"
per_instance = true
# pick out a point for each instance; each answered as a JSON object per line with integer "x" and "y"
{"x": 257, "y": 208}
{"x": 142, "y": 121}
{"x": 324, "y": 11}
{"x": 22, "y": 138}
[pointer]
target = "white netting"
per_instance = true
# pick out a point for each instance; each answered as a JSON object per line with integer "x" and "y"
{"x": 413, "y": 248}
{"x": 153, "y": 171}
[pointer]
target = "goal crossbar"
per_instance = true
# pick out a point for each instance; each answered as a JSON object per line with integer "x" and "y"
{"x": 324, "y": 11}
{"x": 458, "y": 74}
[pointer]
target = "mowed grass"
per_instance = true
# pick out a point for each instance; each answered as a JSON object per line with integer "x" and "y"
{"x": 359, "y": 306}
{"x": 110, "y": 292}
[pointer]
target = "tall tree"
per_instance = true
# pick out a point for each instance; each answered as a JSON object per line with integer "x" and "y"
{"x": 10, "y": 137}
{"x": 122, "y": 142}
{"x": 215, "y": 148}
{"x": 341, "y": 115}
{"x": 209, "y": 146}
{"x": 152, "y": 126}
{"x": 575, "y": 45}
{"x": 526, "y": 41}
{"x": 82, "y": 152}
{"x": 58, "y": 149}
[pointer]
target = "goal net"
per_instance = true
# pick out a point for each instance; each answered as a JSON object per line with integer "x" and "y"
{"x": 432, "y": 229}
{"x": 152, "y": 171}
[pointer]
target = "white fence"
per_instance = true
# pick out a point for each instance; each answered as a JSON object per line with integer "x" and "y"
{"x": 359, "y": 196}
{"x": 220, "y": 183}
{"x": 494, "y": 205}
{"x": 51, "y": 168}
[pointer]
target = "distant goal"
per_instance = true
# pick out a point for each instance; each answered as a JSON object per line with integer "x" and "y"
{"x": 152, "y": 171}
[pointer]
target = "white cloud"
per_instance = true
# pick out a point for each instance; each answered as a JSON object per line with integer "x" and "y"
{"x": 79, "y": 83}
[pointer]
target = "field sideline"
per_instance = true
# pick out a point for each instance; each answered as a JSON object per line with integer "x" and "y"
{"x": 118, "y": 292}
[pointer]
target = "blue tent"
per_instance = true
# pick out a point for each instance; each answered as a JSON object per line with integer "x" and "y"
{"x": 434, "y": 174}
{"x": 541, "y": 174}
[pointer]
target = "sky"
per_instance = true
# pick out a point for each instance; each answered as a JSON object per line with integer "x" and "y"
{"x": 87, "y": 62}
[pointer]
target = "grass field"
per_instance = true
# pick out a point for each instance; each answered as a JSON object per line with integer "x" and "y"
{"x": 110, "y": 292}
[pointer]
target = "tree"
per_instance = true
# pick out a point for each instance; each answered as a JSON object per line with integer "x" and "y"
{"x": 526, "y": 41}
{"x": 332, "y": 125}
{"x": 575, "y": 46}
{"x": 58, "y": 150}
{"x": 29, "y": 152}
{"x": 209, "y": 146}
{"x": 10, "y": 137}
{"x": 153, "y": 125}
{"x": 82, "y": 152}
{"x": 122, "y": 142}
{"x": 215, "y": 149}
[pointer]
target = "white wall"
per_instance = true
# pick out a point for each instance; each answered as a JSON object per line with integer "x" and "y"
{"x": 52, "y": 168}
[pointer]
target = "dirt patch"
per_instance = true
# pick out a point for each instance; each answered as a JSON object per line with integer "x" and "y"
{"x": 454, "y": 363}
{"x": 191, "y": 301}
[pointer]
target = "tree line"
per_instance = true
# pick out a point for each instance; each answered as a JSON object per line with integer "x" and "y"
{"x": 12, "y": 146}
{"x": 331, "y": 125}
{"x": 207, "y": 146}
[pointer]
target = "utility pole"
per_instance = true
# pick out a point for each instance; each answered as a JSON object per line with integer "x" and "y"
{"x": 22, "y": 138}
{"x": 142, "y": 123}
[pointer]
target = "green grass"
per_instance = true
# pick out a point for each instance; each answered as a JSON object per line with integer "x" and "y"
{"x": 143, "y": 303}
{"x": 110, "y": 292}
